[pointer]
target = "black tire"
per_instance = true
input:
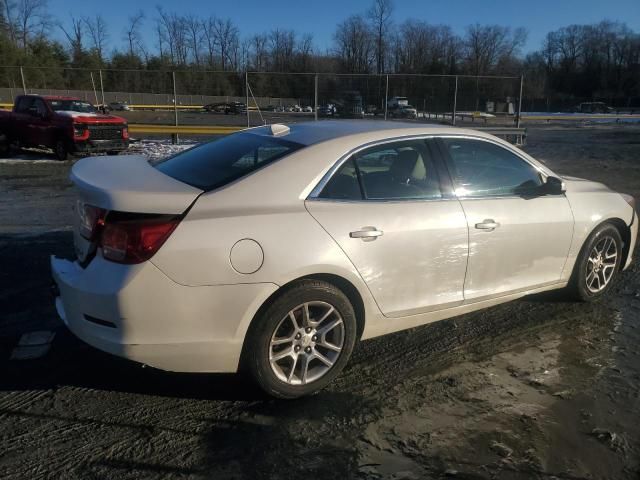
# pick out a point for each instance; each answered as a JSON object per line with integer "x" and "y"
{"x": 113, "y": 152}
{"x": 257, "y": 351}
{"x": 61, "y": 150}
{"x": 582, "y": 271}
{"x": 5, "y": 146}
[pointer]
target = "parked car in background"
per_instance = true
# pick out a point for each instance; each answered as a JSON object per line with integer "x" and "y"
{"x": 276, "y": 249}
{"x": 350, "y": 105}
{"x": 66, "y": 125}
{"x": 119, "y": 106}
{"x": 402, "y": 111}
{"x": 328, "y": 110}
{"x": 237, "y": 108}
{"x": 307, "y": 109}
{"x": 593, "y": 107}
{"x": 397, "y": 102}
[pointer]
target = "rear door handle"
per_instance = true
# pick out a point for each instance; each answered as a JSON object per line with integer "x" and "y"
{"x": 488, "y": 224}
{"x": 367, "y": 234}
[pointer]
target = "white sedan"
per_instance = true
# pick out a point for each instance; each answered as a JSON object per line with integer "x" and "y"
{"x": 279, "y": 247}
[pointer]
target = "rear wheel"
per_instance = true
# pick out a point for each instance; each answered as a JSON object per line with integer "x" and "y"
{"x": 113, "y": 152}
{"x": 598, "y": 264}
{"x": 60, "y": 150}
{"x": 302, "y": 341}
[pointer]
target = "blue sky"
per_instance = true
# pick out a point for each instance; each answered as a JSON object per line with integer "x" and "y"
{"x": 319, "y": 17}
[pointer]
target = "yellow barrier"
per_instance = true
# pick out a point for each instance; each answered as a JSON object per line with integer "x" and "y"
{"x": 185, "y": 129}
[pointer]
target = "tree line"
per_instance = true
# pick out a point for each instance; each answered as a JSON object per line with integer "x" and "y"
{"x": 588, "y": 61}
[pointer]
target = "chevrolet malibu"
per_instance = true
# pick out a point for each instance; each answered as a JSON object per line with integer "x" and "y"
{"x": 274, "y": 250}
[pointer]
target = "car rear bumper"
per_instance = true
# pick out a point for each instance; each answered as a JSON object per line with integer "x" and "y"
{"x": 137, "y": 312}
{"x": 96, "y": 146}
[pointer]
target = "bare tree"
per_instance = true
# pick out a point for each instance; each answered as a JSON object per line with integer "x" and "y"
{"x": 305, "y": 52}
{"x": 282, "y": 44}
{"x": 354, "y": 44}
{"x": 98, "y": 32}
{"x": 132, "y": 33}
{"x": 25, "y": 19}
{"x": 75, "y": 36}
{"x": 260, "y": 52}
{"x": 380, "y": 16}
{"x": 209, "y": 36}
{"x": 226, "y": 39}
{"x": 194, "y": 30}
{"x": 487, "y": 44}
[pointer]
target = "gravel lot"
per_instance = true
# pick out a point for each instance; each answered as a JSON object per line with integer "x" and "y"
{"x": 539, "y": 388}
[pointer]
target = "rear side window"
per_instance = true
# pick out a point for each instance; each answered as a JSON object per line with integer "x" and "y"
{"x": 392, "y": 171}
{"x": 483, "y": 169}
{"x": 222, "y": 161}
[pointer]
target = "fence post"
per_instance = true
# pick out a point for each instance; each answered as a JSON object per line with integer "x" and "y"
{"x": 174, "y": 138}
{"x": 102, "y": 90}
{"x": 246, "y": 88}
{"x": 455, "y": 103}
{"x": 315, "y": 98}
{"x": 24, "y": 85}
{"x": 520, "y": 102}
{"x": 386, "y": 97}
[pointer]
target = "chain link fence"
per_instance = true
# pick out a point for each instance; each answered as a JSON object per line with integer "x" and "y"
{"x": 202, "y": 98}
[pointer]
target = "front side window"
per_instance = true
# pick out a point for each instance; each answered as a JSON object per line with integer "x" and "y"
{"x": 484, "y": 169}
{"x": 217, "y": 163}
{"x": 399, "y": 170}
{"x": 24, "y": 103}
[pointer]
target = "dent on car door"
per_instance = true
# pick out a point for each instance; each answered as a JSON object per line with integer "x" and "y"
{"x": 519, "y": 238}
{"x": 385, "y": 208}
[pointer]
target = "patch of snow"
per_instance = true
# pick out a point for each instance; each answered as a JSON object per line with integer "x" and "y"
{"x": 158, "y": 149}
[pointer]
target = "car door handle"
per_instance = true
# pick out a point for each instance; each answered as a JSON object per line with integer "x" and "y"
{"x": 367, "y": 234}
{"x": 488, "y": 224}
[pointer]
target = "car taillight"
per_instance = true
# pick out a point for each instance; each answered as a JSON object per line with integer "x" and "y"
{"x": 125, "y": 132}
{"x": 130, "y": 238}
{"x": 91, "y": 220}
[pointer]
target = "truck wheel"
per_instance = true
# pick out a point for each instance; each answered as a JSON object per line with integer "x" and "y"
{"x": 5, "y": 145}
{"x": 61, "y": 151}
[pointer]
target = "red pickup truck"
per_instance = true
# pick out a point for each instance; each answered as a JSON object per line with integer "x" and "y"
{"x": 66, "y": 125}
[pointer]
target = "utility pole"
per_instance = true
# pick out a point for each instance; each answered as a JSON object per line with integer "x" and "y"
{"x": 174, "y": 138}
{"x": 520, "y": 102}
{"x": 455, "y": 103}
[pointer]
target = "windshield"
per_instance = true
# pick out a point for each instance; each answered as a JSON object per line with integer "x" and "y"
{"x": 222, "y": 161}
{"x": 72, "y": 106}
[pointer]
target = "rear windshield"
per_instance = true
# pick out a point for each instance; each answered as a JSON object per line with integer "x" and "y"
{"x": 222, "y": 161}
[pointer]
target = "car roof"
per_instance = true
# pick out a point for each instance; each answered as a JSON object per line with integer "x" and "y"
{"x": 60, "y": 97}
{"x": 310, "y": 133}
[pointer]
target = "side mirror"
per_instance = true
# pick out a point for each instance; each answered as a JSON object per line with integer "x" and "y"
{"x": 554, "y": 186}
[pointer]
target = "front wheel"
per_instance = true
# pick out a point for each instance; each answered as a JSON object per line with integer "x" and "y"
{"x": 598, "y": 264}
{"x": 60, "y": 150}
{"x": 302, "y": 341}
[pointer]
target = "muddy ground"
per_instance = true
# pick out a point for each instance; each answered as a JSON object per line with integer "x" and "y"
{"x": 539, "y": 388}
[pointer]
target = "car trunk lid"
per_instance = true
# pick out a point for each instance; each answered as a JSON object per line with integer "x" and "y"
{"x": 122, "y": 184}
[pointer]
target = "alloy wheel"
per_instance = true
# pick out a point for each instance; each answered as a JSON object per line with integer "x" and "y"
{"x": 601, "y": 264}
{"x": 306, "y": 343}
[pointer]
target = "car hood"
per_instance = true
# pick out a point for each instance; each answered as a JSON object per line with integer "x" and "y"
{"x": 90, "y": 117}
{"x": 575, "y": 184}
